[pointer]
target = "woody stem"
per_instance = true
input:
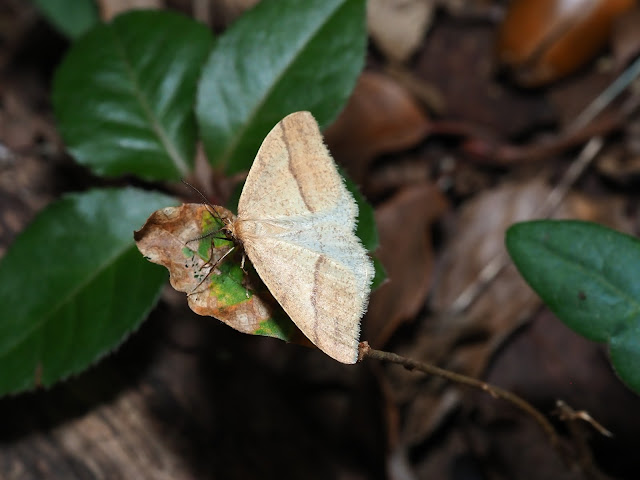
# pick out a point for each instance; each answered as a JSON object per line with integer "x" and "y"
{"x": 365, "y": 351}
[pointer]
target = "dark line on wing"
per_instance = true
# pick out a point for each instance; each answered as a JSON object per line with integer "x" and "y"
{"x": 314, "y": 296}
{"x": 291, "y": 168}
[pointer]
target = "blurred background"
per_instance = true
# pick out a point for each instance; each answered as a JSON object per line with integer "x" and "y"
{"x": 469, "y": 116}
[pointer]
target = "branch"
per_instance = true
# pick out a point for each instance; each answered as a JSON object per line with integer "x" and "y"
{"x": 365, "y": 351}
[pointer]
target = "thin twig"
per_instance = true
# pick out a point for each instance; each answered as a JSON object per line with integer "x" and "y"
{"x": 574, "y": 421}
{"x": 609, "y": 94}
{"x": 566, "y": 413}
{"x": 484, "y": 150}
{"x": 365, "y": 351}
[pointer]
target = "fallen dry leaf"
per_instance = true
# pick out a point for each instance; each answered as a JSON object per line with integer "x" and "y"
{"x": 457, "y": 61}
{"x": 380, "y": 117}
{"x": 465, "y": 342}
{"x": 398, "y": 26}
{"x": 226, "y": 11}
{"x": 477, "y": 239}
{"x": 111, "y": 8}
{"x": 488, "y": 151}
{"x": 216, "y": 285}
{"x": 404, "y": 223}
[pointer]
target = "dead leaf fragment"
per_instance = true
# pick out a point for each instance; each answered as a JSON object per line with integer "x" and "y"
{"x": 457, "y": 62}
{"x": 404, "y": 223}
{"x": 226, "y": 11}
{"x": 217, "y": 287}
{"x": 478, "y": 238}
{"x": 111, "y": 8}
{"x": 464, "y": 342}
{"x": 380, "y": 117}
{"x": 398, "y": 26}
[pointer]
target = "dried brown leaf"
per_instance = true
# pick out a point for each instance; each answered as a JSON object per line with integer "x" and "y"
{"x": 226, "y": 11}
{"x": 111, "y": 8}
{"x": 380, "y": 117}
{"x": 404, "y": 223}
{"x": 398, "y": 26}
{"x": 458, "y": 62}
{"x": 465, "y": 342}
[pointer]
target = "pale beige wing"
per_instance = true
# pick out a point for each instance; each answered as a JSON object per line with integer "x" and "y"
{"x": 321, "y": 276}
{"x": 294, "y": 174}
{"x": 296, "y": 220}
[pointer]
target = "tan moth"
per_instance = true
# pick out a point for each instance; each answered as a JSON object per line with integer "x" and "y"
{"x": 296, "y": 222}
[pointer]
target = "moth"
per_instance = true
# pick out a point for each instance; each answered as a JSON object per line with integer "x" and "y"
{"x": 296, "y": 222}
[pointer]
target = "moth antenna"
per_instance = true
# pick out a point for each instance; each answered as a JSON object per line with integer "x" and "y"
{"x": 214, "y": 212}
{"x": 207, "y": 235}
{"x": 210, "y": 208}
{"x": 205, "y": 201}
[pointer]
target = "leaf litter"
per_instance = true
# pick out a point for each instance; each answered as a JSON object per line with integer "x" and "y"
{"x": 430, "y": 429}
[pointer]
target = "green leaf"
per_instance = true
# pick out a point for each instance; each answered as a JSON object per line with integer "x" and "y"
{"x": 124, "y": 95}
{"x": 281, "y": 57}
{"x": 70, "y": 17}
{"x": 380, "y": 274}
{"x": 366, "y": 229}
{"x": 589, "y": 276}
{"x": 73, "y": 285}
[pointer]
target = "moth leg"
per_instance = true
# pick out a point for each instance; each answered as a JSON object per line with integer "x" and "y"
{"x": 242, "y": 263}
{"x": 212, "y": 234}
{"x": 244, "y": 257}
{"x": 213, "y": 266}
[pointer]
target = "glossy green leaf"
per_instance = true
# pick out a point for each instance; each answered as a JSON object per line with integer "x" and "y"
{"x": 124, "y": 95}
{"x": 589, "y": 276}
{"x": 366, "y": 229}
{"x": 70, "y": 17}
{"x": 281, "y": 57}
{"x": 73, "y": 285}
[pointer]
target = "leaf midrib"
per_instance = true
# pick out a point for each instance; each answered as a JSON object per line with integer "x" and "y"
{"x": 154, "y": 122}
{"x": 595, "y": 275}
{"x": 224, "y": 158}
